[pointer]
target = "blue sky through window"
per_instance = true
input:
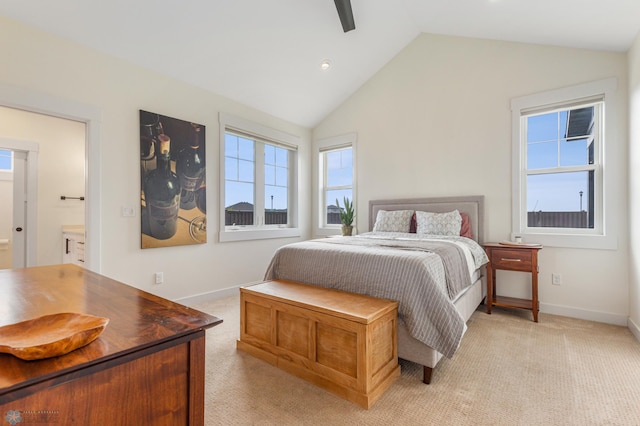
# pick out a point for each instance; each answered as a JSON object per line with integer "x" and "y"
{"x": 5, "y": 160}
{"x": 547, "y": 148}
{"x": 239, "y": 170}
{"x": 339, "y": 173}
{"x": 240, "y": 167}
{"x": 276, "y": 172}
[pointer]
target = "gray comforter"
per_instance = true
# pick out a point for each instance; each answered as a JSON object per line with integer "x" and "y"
{"x": 424, "y": 276}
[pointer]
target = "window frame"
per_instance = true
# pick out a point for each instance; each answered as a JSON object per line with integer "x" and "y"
{"x": 263, "y": 134}
{"x": 595, "y": 167}
{"x": 323, "y": 146}
{"x": 603, "y": 235}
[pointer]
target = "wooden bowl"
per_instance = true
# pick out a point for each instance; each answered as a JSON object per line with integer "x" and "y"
{"x": 50, "y": 335}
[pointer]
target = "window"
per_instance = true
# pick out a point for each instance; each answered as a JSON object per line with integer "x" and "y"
{"x": 6, "y": 165}
{"x": 244, "y": 194}
{"x": 258, "y": 192}
{"x": 6, "y": 160}
{"x": 559, "y": 170}
{"x": 563, "y": 168}
{"x": 336, "y": 172}
{"x": 338, "y": 182}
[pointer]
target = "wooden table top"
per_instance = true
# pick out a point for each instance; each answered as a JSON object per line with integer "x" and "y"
{"x": 137, "y": 319}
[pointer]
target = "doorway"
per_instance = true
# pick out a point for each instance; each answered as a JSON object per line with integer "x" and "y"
{"x": 58, "y": 170}
{"x": 57, "y": 110}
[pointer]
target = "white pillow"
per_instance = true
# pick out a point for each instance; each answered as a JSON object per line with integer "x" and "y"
{"x": 393, "y": 221}
{"x": 429, "y": 223}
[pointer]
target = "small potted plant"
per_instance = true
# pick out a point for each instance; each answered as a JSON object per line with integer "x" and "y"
{"x": 347, "y": 214}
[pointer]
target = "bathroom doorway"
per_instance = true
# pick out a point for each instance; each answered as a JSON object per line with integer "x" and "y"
{"x": 48, "y": 163}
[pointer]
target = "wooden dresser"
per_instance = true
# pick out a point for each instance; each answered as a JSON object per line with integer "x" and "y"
{"x": 146, "y": 368}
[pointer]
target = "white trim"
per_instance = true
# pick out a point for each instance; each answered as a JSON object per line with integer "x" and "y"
{"x": 241, "y": 234}
{"x": 269, "y": 135}
{"x": 34, "y": 101}
{"x": 607, "y": 239}
{"x": 321, "y": 146}
{"x": 635, "y": 328}
{"x": 585, "y": 314}
{"x": 336, "y": 142}
{"x": 212, "y": 295}
{"x": 241, "y": 124}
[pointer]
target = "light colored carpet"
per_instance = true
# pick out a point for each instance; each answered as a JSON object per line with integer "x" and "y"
{"x": 508, "y": 371}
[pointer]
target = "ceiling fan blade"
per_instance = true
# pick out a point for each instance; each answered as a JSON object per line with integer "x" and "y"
{"x": 346, "y": 15}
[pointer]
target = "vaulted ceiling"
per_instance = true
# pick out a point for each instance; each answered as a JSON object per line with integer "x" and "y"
{"x": 267, "y": 53}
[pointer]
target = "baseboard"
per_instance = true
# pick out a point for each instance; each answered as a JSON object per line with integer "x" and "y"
{"x": 635, "y": 329}
{"x": 585, "y": 314}
{"x": 546, "y": 308}
{"x": 212, "y": 295}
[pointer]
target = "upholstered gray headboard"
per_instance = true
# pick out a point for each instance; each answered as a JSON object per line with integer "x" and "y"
{"x": 471, "y": 205}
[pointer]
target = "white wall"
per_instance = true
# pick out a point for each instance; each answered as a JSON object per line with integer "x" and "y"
{"x": 437, "y": 118}
{"x": 634, "y": 186}
{"x": 61, "y": 161}
{"x": 57, "y": 68}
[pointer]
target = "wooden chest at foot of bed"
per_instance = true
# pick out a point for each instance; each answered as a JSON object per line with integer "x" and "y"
{"x": 345, "y": 343}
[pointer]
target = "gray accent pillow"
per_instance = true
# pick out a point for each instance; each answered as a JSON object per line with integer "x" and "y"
{"x": 393, "y": 221}
{"x": 438, "y": 223}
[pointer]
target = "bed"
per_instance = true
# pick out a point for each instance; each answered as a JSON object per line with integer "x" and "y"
{"x": 438, "y": 280}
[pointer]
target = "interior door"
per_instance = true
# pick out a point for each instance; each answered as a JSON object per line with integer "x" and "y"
{"x": 19, "y": 209}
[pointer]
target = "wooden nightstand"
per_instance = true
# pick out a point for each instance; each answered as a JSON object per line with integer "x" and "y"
{"x": 523, "y": 258}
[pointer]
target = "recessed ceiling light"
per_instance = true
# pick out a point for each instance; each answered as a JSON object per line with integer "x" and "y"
{"x": 325, "y": 65}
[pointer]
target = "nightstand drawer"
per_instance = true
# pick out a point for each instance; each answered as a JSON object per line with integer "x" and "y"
{"x": 513, "y": 260}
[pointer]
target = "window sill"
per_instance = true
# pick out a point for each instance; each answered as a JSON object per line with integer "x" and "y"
{"x": 331, "y": 231}
{"x": 258, "y": 234}
{"x": 596, "y": 242}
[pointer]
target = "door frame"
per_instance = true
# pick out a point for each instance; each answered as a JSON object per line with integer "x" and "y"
{"x": 31, "y": 188}
{"x": 42, "y": 103}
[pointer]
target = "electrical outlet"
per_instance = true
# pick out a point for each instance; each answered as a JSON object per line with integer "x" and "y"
{"x": 556, "y": 279}
{"x": 159, "y": 277}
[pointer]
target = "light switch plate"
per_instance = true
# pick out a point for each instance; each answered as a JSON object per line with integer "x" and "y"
{"x": 128, "y": 211}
